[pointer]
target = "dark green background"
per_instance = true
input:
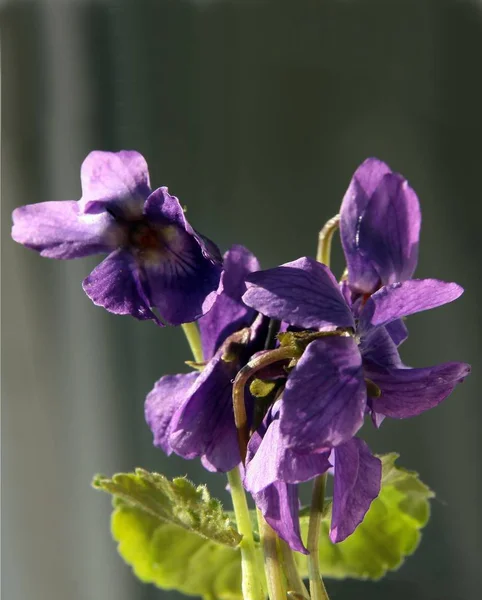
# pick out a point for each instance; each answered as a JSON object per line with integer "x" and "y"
{"x": 255, "y": 114}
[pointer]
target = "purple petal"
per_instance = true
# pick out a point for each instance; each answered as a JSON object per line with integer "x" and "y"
{"x": 377, "y": 418}
{"x": 377, "y": 346}
{"x": 270, "y": 460}
{"x": 56, "y": 230}
{"x": 357, "y": 483}
{"x": 114, "y": 181}
{"x": 325, "y": 396}
{"x": 402, "y": 299}
{"x": 304, "y": 293}
{"x": 279, "y": 505}
{"x": 161, "y": 207}
{"x": 398, "y": 331}
{"x": 390, "y": 228}
{"x": 369, "y": 175}
{"x": 362, "y": 276}
{"x": 229, "y": 313}
{"x": 162, "y": 402}
{"x": 181, "y": 282}
{"x": 204, "y": 424}
{"x": 116, "y": 284}
{"x": 409, "y": 392}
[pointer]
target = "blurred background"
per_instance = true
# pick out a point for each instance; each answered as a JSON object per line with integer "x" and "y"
{"x": 255, "y": 114}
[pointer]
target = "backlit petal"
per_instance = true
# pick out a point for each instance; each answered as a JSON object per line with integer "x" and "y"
{"x": 304, "y": 293}
{"x": 325, "y": 396}
{"x": 57, "y": 230}
{"x": 410, "y": 392}
{"x": 114, "y": 181}
{"x": 229, "y": 313}
{"x": 117, "y": 285}
{"x": 357, "y": 483}
{"x": 161, "y": 403}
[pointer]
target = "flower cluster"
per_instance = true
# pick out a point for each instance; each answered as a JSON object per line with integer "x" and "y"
{"x": 306, "y": 357}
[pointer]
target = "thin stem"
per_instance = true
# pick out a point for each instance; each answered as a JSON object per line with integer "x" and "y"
{"x": 251, "y": 583}
{"x": 273, "y": 329}
{"x": 240, "y": 416}
{"x": 191, "y": 331}
{"x": 324, "y": 240}
{"x": 293, "y": 579}
{"x": 272, "y": 566}
{"x": 317, "y": 587}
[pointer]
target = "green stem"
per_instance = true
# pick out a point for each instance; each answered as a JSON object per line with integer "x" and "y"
{"x": 317, "y": 587}
{"x": 324, "y": 240}
{"x": 251, "y": 583}
{"x": 295, "y": 584}
{"x": 191, "y": 331}
{"x": 272, "y": 566}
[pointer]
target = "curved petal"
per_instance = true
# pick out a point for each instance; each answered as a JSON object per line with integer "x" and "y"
{"x": 325, "y": 396}
{"x": 368, "y": 176}
{"x": 161, "y": 403}
{"x": 362, "y": 276}
{"x": 410, "y": 392}
{"x": 204, "y": 424}
{"x": 279, "y": 505}
{"x": 161, "y": 207}
{"x": 181, "y": 282}
{"x": 114, "y": 181}
{"x": 116, "y": 284}
{"x": 398, "y": 331}
{"x": 270, "y": 460}
{"x": 304, "y": 293}
{"x": 57, "y": 230}
{"x": 229, "y": 313}
{"x": 389, "y": 229}
{"x": 377, "y": 346}
{"x": 357, "y": 483}
{"x": 402, "y": 299}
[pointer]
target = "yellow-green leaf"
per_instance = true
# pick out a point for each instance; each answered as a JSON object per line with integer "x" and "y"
{"x": 178, "y": 502}
{"x": 173, "y": 558}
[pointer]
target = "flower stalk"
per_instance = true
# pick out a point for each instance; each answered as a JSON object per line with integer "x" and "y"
{"x": 317, "y": 587}
{"x": 295, "y": 586}
{"x": 251, "y": 581}
{"x": 191, "y": 331}
{"x": 325, "y": 238}
{"x": 272, "y": 567}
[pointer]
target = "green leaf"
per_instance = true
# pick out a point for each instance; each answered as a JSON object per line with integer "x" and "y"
{"x": 174, "y": 535}
{"x": 389, "y": 532}
{"x": 173, "y": 558}
{"x": 177, "y": 502}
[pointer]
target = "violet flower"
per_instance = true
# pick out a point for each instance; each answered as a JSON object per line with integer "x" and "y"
{"x": 379, "y": 227}
{"x": 380, "y": 222}
{"x": 156, "y": 259}
{"x": 326, "y": 394}
{"x": 192, "y": 414}
{"x": 340, "y": 377}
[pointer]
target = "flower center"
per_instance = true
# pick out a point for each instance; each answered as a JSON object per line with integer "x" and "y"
{"x": 144, "y": 237}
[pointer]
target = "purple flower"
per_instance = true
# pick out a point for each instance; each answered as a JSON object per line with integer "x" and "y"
{"x": 192, "y": 414}
{"x": 357, "y": 476}
{"x": 156, "y": 259}
{"x": 341, "y": 376}
{"x": 379, "y": 227}
{"x": 326, "y": 394}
